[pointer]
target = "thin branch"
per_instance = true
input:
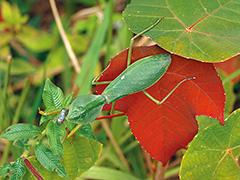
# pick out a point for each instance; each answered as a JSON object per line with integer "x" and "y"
{"x": 160, "y": 171}
{"x": 64, "y": 36}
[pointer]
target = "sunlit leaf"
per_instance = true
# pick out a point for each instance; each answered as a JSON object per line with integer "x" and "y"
{"x": 214, "y": 153}
{"x": 20, "y": 131}
{"x": 52, "y": 95}
{"x": 203, "y": 30}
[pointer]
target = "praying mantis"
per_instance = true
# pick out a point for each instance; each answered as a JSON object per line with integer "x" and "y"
{"x": 137, "y": 77}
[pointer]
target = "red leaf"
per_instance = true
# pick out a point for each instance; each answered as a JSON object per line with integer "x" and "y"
{"x": 164, "y": 129}
{"x": 1, "y": 19}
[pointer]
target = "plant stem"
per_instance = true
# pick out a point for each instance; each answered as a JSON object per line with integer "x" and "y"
{"x": 64, "y": 36}
{"x": 26, "y": 152}
{"x": 160, "y": 171}
{"x": 21, "y": 102}
{"x": 5, "y": 119}
{"x": 110, "y": 32}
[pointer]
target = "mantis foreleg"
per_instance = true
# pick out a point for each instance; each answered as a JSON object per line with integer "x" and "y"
{"x": 139, "y": 34}
{"x": 94, "y": 81}
{"x": 169, "y": 94}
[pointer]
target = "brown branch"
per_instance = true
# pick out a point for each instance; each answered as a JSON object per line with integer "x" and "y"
{"x": 64, "y": 36}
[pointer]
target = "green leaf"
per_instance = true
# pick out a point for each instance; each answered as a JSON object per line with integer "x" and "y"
{"x": 20, "y": 131}
{"x": 22, "y": 143}
{"x": 49, "y": 160}
{"x": 52, "y": 95}
{"x": 55, "y": 133}
{"x": 5, "y": 169}
{"x": 214, "y": 153}
{"x": 78, "y": 156}
{"x": 12, "y": 15}
{"x": 7, "y": 12}
{"x": 67, "y": 99}
{"x": 103, "y": 173}
{"x": 202, "y": 30}
{"x": 35, "y": 40}
{"x": 18, "y": 170}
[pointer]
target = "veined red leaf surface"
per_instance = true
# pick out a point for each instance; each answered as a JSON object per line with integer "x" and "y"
{"x": 164, "y": 129}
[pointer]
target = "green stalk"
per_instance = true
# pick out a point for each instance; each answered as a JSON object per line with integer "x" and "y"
{"x": 5, "y": 117}
{"x": 16, "y": 119}
{"x": 21, "y": 102}
{"x": 231, "y": 76}
{"x": 110, "y": 32}
{"x": 38, "y": 97}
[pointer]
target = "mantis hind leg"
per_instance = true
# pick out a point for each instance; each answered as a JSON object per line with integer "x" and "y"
{"x": 139, "y": 34}
{"x": 169, "y": 94}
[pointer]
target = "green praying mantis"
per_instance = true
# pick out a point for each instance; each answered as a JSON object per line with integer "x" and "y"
{"x": 137, "y": 77}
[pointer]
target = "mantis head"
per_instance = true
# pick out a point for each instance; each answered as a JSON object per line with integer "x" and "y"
{"x": 85, "y": 109}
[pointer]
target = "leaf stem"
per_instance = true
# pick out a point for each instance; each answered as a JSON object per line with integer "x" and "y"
{"x": 160, "y": 171}
{"x": 110, "y": 116}
{"x": 31, "y": 168}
